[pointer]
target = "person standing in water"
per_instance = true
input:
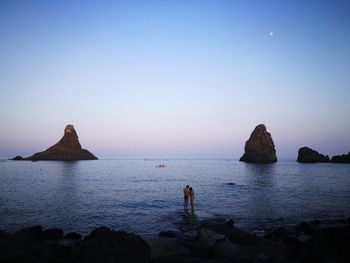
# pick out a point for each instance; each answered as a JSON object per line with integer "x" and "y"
{"x": 186, "y": 195}
{"x": 191, "y": 194}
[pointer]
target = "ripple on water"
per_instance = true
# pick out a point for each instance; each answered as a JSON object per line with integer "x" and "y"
{"x": 134, "y": 195}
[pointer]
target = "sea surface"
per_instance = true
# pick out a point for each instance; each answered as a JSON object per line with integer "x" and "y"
{"x": 136, "y": 196}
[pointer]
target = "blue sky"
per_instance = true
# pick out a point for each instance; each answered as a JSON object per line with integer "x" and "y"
{"x": 174, "y": 78}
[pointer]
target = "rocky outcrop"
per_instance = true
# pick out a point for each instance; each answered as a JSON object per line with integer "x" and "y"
{"x": 17, "y": 158}
{"x": 33, "y": 244}
{"x": 308, "y": 155}
{"x": 67, "y": 149}
{"x": 260, "y": 147}
{"x": 213, "y": 241}
{"x": 106, "y": 245}
{"x": 341, "y": 158}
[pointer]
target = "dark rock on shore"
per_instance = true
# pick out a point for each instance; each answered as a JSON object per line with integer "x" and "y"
{"x": 67, "y": 149}
{"x": 52, "y": 234}
{"x": 308, "y": 155}
{"x": 260, "y": 147}
{"x": 329, "y": 245}
{"x": 344, "y": 158}
{"x": 214, "y": 242}
{"x": 106, "y": 245}
{"x": 72, "y": 236}
{"x": 304, "y": 227}
{"x": 34, "y": 232}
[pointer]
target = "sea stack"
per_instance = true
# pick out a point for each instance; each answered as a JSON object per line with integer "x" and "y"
{"x": 260, "y": 147}
{"x": 67, "y": 149}
{"x": 341, "y": 158}
{"x": 308, "y": 155}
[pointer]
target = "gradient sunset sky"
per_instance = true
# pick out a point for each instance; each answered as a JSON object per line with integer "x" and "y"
{"x": 174, "y": 78}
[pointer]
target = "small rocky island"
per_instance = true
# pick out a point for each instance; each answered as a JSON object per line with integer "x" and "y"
{"x": 260, "y": 147}
{"x": 67, "y": 149}
{"x": 308, "y": 155}
{"x": 344, "y": 158}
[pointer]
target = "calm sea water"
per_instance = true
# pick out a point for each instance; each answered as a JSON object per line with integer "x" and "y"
{"x": 135, "y": 196}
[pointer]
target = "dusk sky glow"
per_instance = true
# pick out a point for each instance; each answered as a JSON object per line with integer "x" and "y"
{"x": 174, "y": 78}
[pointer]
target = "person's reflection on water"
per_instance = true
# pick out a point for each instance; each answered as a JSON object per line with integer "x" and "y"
{"x": 189, "y": 221}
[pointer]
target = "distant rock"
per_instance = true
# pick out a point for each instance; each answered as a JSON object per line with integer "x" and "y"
{"x": 341, "y": 158}
{"x": 308, "y": 155}
{"x": 260, "y": 147}
{"x": 67, "y": 149}
{"x": 17, "y": 158}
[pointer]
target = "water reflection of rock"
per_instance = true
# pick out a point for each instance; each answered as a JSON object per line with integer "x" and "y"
{"x": 260, "y": 174}
{"x": 69, "y": 184}
{"x": 260, "y": 202}
{"x": 70, "y": 168}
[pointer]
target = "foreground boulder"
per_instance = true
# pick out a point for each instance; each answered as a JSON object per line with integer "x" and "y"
{"x": 260, "y": 147}
{"x": 67, "y": 149}
{"x": 308, "y": 155}
{"x": 106, "y": 245}
{"x": 341, "y": 158}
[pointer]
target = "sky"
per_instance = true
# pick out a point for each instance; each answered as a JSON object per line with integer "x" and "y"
{"x": 174, "y": 78}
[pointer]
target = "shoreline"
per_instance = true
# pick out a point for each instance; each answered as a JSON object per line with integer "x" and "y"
{"x": 210, "y": 241}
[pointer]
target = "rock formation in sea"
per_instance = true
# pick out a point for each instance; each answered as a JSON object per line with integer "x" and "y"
{"x": 67, "y": 149}
{"x": 308, "y": 155}
{"x": 260, "y": 147}
{"x": 341, "y": 158}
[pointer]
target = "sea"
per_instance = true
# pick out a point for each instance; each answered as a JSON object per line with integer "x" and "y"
{"x": 134, "y": 195}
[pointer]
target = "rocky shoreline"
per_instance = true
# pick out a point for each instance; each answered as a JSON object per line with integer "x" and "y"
{"x": 212, "y": 241}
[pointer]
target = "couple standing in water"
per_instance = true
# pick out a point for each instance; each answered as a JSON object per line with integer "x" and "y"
{"x": 188, "y": 196}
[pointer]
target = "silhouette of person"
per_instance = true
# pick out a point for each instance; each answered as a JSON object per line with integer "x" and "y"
{"x": 186, "y": 191}
{"x": 192, "y": 198}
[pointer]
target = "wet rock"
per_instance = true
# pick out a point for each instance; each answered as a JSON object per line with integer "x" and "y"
{"x": 316, "y": 222}
{"x": 265, "y": 251}
{"x": 163, "y": 249}
{"x": 200, "y": 249}
{"x": 260, "y": 147}
{"x": 308, "y": 155}
{"x": 52, "y": 234}
{"x": 34, "y": 232}
{"x": 344, "y": 158}
{"x": 105, "y": 245}
{"x": 72, "y": 236}
{"x": 242, "y": 238}
{"x": 229, "y": 222}
{"x": 305, "y": 228}
{"x": 67, "y": 149}
{"x": 228, "y": 250}
{"x": 172, "y": 234}
{"x": 303, "y": 238}
{"x": 217, "y": 225}
{"x": 208, "y": 236}
{"x": 188, "y": 236}
{"x": 329, "y": 245}
{"x": 281, "y": 234}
